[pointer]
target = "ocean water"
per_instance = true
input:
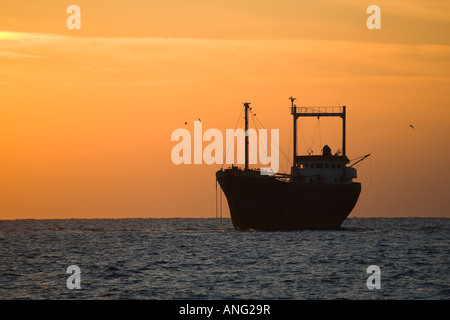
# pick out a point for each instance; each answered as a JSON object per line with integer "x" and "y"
{"x": 207, "y": 259}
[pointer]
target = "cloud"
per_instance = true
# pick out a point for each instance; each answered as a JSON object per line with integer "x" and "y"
{"x": 54, "y": 59}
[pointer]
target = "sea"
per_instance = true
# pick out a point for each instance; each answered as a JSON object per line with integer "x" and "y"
{"x": 206, "y": 259}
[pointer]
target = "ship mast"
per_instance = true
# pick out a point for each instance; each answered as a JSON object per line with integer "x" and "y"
{"x": 295, "y": 131}
{"x": 247, "y": 106}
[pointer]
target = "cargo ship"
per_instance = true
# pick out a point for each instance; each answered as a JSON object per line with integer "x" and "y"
{"x": 318, "y": 194}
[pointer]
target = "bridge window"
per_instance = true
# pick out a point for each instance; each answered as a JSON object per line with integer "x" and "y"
{"x": 319, "y": 165}
{"x": 327, "y": 165}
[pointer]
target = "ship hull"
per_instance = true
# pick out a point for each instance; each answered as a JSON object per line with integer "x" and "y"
{"x": 269, "y": 204}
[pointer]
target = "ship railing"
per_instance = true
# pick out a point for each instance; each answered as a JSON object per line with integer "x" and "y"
{"x": 283, "y": 177}
{"x": 314, "y": 110}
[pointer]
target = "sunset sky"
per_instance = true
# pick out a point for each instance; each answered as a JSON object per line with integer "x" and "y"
{"x": 86, "y": 115}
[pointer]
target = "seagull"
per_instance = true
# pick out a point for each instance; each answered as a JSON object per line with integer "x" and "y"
{"x": 199, "y": 120}
{"x": 411, "y": 126}
{"x": 185, "y": 123}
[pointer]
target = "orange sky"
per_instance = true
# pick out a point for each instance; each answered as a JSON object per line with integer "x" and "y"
{"x": 86, "y": 115}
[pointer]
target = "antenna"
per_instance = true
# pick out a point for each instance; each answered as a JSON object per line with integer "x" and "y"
{"x": 292, "y": 100}
{"x": 247, "y": 106}
{"x": 293, "y": 111}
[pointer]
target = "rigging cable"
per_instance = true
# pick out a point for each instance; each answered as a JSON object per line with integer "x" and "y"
{"x": 289, "y": 145}
{"x": 314, "y": 137}
{"x": 303, "y": 135}
{"x": 228, "y": 149}
{"x": 281, "y": 150}
{"x": 216, "y": 197}
{"x": 264, "y": 144}
{"x": 320, "y": 133}
{"x": 221, "y": 208}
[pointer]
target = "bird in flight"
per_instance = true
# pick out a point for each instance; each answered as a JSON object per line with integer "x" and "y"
{"x": 411, "y": 126}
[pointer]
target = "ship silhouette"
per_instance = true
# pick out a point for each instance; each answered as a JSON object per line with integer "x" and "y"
{"x": 318, "y": 194}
